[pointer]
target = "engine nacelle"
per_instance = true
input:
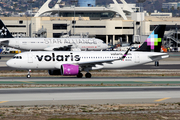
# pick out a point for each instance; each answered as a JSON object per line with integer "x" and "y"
{"x": 68, "y": 69}
{"x": 54, "y": 72}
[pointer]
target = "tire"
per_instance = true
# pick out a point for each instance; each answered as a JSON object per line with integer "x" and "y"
{"x": 88, "y": 75}
{"x": 80, "y": 75}
{"x": 156, "y": 63}
{"x": 28, "y": 76}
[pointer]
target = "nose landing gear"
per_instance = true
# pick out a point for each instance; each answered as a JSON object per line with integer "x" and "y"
{"x": 28, "y": 75}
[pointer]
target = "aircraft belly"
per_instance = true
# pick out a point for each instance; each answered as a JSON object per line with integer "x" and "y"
{"x": 45, "y": 65}
{"x": 34, "y": 65}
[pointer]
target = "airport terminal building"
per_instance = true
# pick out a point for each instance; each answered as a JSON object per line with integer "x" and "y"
{"x": 118, "y": 23}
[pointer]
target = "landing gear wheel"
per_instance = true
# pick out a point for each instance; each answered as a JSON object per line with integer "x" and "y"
{"x": 28, "y": 76}
{"x": 88, "y": 75}
{"x": 156, "y": 63}
{"x": 80, "y": 75}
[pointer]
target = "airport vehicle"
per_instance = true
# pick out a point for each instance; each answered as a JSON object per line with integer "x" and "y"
{"x": 47, "y": 44}
{"x": 73, "y": 62}
{"x": 7, "y": 50}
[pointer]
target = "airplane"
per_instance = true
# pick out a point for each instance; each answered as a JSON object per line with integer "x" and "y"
{"x": 47, "y": 44}
{"x": 71, "y": 63}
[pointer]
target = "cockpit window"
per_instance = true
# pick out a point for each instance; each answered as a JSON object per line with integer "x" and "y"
{"x": 17, "y": 57}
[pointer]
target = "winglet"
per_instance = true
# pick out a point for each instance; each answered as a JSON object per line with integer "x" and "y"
{"x": 125, "y": 54}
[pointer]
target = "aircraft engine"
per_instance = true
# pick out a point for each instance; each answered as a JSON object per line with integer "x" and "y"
{"x": 54, "y": 72}
{"x": 68, "y": 69}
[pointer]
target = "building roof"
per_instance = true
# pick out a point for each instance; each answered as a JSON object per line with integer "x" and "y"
{"x": 56, "y": 9}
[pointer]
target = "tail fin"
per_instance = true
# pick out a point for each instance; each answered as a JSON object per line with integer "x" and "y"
{"x": 4, "y": 32}
{"x": 154, "y": 41}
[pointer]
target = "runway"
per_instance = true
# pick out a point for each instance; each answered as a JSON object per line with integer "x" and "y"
{"x": 93, "y": 80}
{"x": 90, "y": 95}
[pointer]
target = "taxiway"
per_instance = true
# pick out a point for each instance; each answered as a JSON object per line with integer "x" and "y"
{"x": 90, "y": 95}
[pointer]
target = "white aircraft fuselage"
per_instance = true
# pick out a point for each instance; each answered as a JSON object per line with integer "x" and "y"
{"x": 54, "y": 43}
{"x": 86, "y": 60}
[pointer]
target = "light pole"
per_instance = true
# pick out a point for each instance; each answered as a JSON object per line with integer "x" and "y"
{"x": 141, "y": 10}
{"x": 59, "y": 2}
{"x": 74, "y": 22}
{"x": 31, "y": 2}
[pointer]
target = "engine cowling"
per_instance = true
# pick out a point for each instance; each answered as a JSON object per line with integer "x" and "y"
{"x": 68, "y": 69}
{"x": 54, "y": 72}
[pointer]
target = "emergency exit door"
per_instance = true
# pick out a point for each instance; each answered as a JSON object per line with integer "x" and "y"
{"x": 137, "y": 58}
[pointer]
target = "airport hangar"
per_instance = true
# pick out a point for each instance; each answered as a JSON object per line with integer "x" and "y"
{"x": 110, "y": 24}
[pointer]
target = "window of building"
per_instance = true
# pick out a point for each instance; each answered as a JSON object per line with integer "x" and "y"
{"x": 21, "y": 22}
{"x": 90, "y": 26}
{"x": 59, "y": 26}
{"x": 118, "y": 27}
{"x": 15, "y": 26}
{"x": 124, "y": 27}
{"x": 57, "y": 35}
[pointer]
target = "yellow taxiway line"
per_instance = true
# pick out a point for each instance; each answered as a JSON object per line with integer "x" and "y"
{"x": 27, "y": 82}
{"x": 3, "y": 101}
{"x": 162, "y": 99}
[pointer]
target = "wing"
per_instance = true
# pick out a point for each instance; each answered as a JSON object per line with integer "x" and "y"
{"x": 4, "y": 40}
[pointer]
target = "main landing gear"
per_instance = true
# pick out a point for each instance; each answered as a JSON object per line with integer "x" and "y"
{"x": 87, "y": 75}
{"x": 156, "y": 63}
{"x": 28, "y": 75}
{"x": 80, "y": 75}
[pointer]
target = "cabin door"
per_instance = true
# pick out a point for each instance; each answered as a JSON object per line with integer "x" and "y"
{"x": 137, "y": 58}
{"x": 30, "y": 58}
{"x": 17, "y": 44}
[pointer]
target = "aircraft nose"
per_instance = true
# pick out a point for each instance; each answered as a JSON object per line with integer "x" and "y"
{"x": 10, "y": 63}
{"x": 105, "y": 46}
